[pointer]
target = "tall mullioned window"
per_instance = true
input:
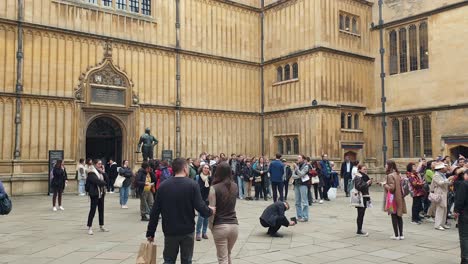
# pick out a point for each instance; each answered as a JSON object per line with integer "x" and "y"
{"x": 412, "y": 132}
{"x": 146, "y": 7}
{"x": 287, "y": 145}
{"x": 409, "y": 48}
{"x": 121, "y": 4}
{"x": 343, "y": 120}
{"x": 280, "y": 146}
{"x": 295, "y": 71}
{"x": 107, "y": 2}
{"x": 134, "y": 6}
{"x": 287, "y": 72}
{"x": 279, "y": 74}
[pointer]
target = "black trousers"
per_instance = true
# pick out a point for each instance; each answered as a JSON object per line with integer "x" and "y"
{"x": 326, "y": 187}
{"x": 260, "y": 190}
{"x": 172, "y": 244}
{"x": 397, "y": 222}
{"x": 361, "y": 211}
{"x": 277, "y": 187}
{"x": 110, "y": 184}
{"x": 99, "y": 203}
{"x": 317, "y": 191}
{"x": 463, "y": 234}
{"x": 347, "y": 181}
{"x": 273, "y": 229}
{"x": 416, "y": 209}
{"x": 286, "y": 189}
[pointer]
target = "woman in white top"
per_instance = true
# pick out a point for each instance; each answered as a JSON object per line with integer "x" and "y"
{"x": 354, "y": 170}
{"x": 81, "y": 173}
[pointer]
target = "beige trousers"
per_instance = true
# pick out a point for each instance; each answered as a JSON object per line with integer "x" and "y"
{"x": 247, "y": 189}
{"x": 225, "y": 237}
{"x": 440, "y": 216}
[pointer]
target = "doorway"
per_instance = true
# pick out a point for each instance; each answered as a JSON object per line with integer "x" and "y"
{"x": 352, "y": 155}
{"x": 458, "y": 150}
{"x": 104, "y": 140}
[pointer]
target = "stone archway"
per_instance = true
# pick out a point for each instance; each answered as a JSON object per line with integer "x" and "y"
{"x": 458, "y": 150}
{"x": 104, "y": 139}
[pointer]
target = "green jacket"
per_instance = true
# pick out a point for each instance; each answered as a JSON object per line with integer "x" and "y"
{"x": 192, "y": 172}
{"x": 428, "y": 176}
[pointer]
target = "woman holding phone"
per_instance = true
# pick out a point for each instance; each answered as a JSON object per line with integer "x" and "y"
{"x": 362, "y": 182}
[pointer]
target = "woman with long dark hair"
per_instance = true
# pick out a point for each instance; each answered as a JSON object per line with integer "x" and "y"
{"x": 224, "y": 225}
{"x": 126, "y": 172}
{"x": 417, "y": 183}
{"x": 58, "y": 183}
{"x": 261, "y": 172}
{"x": 392, "y": 187}
{"x": 96, "y": 187}
{"x": 362, "y": 182}
{"x": 203, "y": 180}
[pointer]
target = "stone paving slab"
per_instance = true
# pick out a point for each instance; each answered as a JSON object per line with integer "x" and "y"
{"x": 32, "y": 233}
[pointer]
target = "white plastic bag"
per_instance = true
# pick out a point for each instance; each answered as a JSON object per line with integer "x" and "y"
{"x": 332, "y": 194}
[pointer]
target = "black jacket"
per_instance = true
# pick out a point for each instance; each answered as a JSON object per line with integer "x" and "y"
{"x": 113, "y": 171}
{"x": 60, "y": 176}
{"x": 461, "y": 200}
{"x": 273, "y": 215}
{"x": 360, "y": 183}
{"x": 127, "y": 173}
{"x": 95, "y": 185}
{"x": 141, "y": 179}
{"x": 343, "y": 169}
{"x": 204, "y": 191}
{"x": 288, "y": 173}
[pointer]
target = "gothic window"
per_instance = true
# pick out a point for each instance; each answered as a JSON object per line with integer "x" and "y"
{"x": 134, "y": 7}
{"x": 287, "y": 72}
{"x": 356, "y": 121}
{"x": 403, "y": 51}
{"x": 107, "y": 2}
{"x": 355, "y": 25}
{"x": 423, "y": 46}
{"x": 350, "y": 121}
{"x": 406, "y": 138}
{"x": 296, "y": 145}
{"x": 279, "y": 74}
{"x": 121, "y": 4}
{"x": 295, "y": 71}
{"x": 427, "y": 136}
{"x": 416, "y": 127}
{"x": 343, "y": 120}
{"x": 413, "y": 48}
{"x": 146, "y": 7}
{"x": 396, "y": 138}
{"x": 280, "y": 146}
{"x": 288, "y": 146}
{"x": 341, "y": 22}
{"x": 347, "y": 22}
{"x": 393, "y": 53}
{"x": 92, "y": 1}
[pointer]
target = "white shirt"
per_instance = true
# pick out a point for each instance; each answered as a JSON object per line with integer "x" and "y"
{"x": 348, "y": 166}
{"x": 354, "y": 172}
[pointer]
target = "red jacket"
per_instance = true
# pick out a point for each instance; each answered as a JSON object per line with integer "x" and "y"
{"x": 158, "y": 176}
{"x": 416, "y": 183}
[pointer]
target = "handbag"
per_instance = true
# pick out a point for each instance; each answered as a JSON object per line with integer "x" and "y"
{"x": 119, "y": 181}
{"x": 315, "y": 180}
{"x": 258, "y": 179}
{"x": 146, "y": 254}
{"x": 5, "y": 205}
{"x": 390, "y": 203}
{"x": 356, "y": 198}
{"x": 434, "y": 197}
{"x": 332, "y": 193}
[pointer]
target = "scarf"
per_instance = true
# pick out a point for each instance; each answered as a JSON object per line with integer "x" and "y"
{"x": 99, "y": 175}
{"x": 205, "y": 179}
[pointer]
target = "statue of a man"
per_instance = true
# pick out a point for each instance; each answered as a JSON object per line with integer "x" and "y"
{"x": 146, "y": 144}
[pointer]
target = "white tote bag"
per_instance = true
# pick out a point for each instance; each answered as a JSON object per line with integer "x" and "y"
{"x": 119, "y": 180}
{"x": 332, "y": 193}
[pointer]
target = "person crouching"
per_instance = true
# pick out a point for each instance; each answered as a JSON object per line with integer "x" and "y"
{"x": 273, "y": 218}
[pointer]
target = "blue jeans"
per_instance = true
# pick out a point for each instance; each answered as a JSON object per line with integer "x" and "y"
{"x": 124, "y": 195}
{"x": 302, "y": 202}
{"x": 240, "y": 186}
{"x": 81, "y": 186}
{"x": 202, "y": 221}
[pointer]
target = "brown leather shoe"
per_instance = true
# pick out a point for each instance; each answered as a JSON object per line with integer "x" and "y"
{"x": 205, "y": 236}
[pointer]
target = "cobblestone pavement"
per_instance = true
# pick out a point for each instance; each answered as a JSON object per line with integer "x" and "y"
{"x": 32, "y": 233}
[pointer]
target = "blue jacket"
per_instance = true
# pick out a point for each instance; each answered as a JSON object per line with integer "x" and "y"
{"x": 276, "y": 171}
{"x": 325, "y": 168}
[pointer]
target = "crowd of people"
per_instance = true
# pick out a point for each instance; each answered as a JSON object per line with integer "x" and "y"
{"x": 210, "y": 185}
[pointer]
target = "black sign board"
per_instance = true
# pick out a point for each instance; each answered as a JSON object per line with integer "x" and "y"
{"x": 54, "y": 155}
{"x": 103, "y": 95}
{"x": 167, "y": 155}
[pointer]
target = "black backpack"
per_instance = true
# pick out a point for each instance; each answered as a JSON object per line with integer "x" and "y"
{"x": 5, "y": 205}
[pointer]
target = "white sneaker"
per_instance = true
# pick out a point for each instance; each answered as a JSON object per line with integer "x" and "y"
{"x": 402, "y": 238}
{"x": 90, "y": 232}
{"x": 321, "y": 202}
{"x": 61, "y": 208}
{"x": 82, "y": 194}
{"x": 124, "y": 207}
{"x": 54, "y": 209}
{"x": 111, "y": 192}
{"x": 430, "y": 220}
{"x": 103, "y": 229}
{"x": 446, "y": 226}
{"x": 395, "y": 238}
{"x": 440, "y": 228}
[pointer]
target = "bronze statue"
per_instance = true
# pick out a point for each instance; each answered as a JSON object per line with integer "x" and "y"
{"x": 146, "y": 144}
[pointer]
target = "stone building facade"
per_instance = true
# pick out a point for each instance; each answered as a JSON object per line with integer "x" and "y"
{"x": 242, "y": 76}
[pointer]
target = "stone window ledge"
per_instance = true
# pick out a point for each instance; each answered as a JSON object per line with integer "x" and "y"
{"x": 285, "y": 82}
{"x": 352, "y": 130}
{"x": 350, "y": 33}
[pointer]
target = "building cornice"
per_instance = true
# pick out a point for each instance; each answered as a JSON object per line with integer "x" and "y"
{"x": 422, "y": 15}
{"x": 281, "y": 2}
{"x": 320, "y": 106}
{"x": 422, "y": 110}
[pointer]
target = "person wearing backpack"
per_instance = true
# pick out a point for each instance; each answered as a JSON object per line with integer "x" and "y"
{"x": 163, "y": 173}
{"x": 5, "y": 202}
{"x": 418, "y": 193}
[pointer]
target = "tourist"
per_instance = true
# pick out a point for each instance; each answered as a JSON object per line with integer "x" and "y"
{"x": 96, "y": 182}
{"x": 301, "y": 181}
{"x": 393, "y": 188}
{"x": 163, "y": 172}
{"x": 146, "y": 181}
{"x": 316, "y": 182}
{"x": 354, "y": 170}
{"x": 417, "y": 185}
{"x": 276, "y": 170}
{"x": 429, "y": 207}
{"x": 2, "y": 190}
{"x": 286, "y": 178}
{"x": 273, "y": 217}
{"x": 177, "y": 199}
{"x": 57, "y": 183}
{"x": 440, "y": 185}
{"x": 345, "y": 173}
{"x": 240, "y": 176}
{"x": 204, "y": 181}
{"x": 112, "y": 174}
{"x": 248, "y": 179}
{"x": 192, "y": 170}
{"x": 362, "y": 182}
{"x": 334, "y": 178}
{"x": 81, "y": 177}
{"x": 325, "y": 174}
{"x": 461, "y": 213}
{"x": 261, "y": 171}
{"x": 126, "y": 172}
{"x": 233, "y": 163}
{"x": 225, "y": 228}
{"x": 309, "y": 187}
